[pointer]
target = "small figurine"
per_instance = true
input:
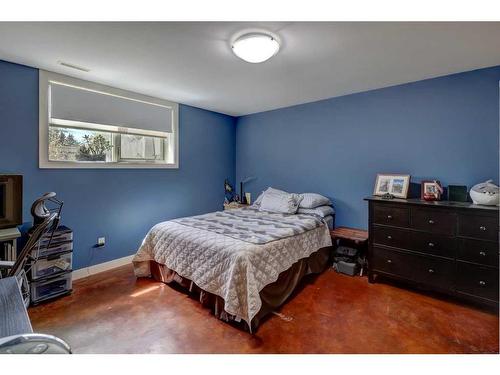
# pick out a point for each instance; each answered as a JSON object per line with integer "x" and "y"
{"x": 228, "y": 192}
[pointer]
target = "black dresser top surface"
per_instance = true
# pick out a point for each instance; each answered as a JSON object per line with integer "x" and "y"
{"x": 421, "y": 202}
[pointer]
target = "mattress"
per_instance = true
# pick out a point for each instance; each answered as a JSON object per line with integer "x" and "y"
{"x": 231, "y": 268}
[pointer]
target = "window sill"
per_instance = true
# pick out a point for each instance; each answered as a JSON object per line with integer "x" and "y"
{"x": 90, "y": 165}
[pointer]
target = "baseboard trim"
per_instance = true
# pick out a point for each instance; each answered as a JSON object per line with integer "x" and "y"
{"x": 101, "y": 267}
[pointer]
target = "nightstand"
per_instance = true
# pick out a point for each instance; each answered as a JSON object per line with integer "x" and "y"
{"x": 233, "y": 205}
{"x": 353, "y": 238}
{"x": 358, "y": 236}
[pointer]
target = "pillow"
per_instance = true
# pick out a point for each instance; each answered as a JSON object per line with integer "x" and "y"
{"x": 277, "y": 191}
{"x": 313, "y": 200}
{"x": 258, "y": 201}
{"x": 322, "y": 211}
{"x": 329, "y": 221}
{"x": 280, "y": 201}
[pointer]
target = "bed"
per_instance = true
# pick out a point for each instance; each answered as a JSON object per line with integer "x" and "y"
{"x": 242, "y": 263}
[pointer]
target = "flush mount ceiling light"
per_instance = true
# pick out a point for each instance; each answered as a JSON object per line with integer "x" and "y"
{"x": 255, "y": 47}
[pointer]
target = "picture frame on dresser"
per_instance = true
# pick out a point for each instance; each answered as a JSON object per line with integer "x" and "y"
{"x": 440, "y": 246}
{"x": 431, "y": 190}
{"x": 394, "y": 184}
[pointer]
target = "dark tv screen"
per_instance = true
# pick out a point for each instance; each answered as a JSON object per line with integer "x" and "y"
{"x": 11, "y": 200}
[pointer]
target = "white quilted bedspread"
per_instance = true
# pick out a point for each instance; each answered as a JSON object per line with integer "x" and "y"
{"x": 230, "y": 268}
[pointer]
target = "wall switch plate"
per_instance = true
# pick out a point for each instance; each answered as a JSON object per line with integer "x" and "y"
{"x": 101, "y": 241}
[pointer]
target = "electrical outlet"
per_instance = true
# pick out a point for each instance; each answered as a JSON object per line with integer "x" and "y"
{"x": 101, "y": 241}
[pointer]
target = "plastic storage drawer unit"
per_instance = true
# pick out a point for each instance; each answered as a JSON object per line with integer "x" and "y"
{"x": 51, "y": 287}
{"x": 55, "y": 248}
{"x": 61, "y": 234}
{"x": 51, "y": 265}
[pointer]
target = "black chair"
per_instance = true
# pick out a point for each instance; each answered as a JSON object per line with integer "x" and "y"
{"x": 23, "y": 340}
{"x": 28, "y": 256}
{"x": 45, "y": 222}
{"x": 33, "y": 343}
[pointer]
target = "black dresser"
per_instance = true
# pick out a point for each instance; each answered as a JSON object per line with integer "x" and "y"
{"x": 450, "y": 247}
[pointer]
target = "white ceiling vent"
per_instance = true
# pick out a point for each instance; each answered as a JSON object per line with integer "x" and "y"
{"x": 73, "y": 66}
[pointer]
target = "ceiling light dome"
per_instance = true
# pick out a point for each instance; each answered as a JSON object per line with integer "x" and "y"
{"x": 255, "y": 47}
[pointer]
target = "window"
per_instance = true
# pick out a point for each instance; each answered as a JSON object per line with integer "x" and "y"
{"x": 86, "y": 125}
{"x": 76, "y": 145}
{"x": 85, "y": 145}
{"x": 138, "y": 147}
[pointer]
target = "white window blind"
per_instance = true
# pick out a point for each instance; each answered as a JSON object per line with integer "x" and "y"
{"x": 84, "y": 108}
{"x": 84, "y": 124}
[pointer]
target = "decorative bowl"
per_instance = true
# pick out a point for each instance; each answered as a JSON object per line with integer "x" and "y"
{"x": 485, "y": 193}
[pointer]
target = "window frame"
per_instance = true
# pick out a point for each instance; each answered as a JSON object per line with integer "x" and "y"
{"x": 172, "y": 141}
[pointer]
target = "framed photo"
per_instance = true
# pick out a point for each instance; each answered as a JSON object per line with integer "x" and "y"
{"x": 394, "y": 184}
{"x": 431, "y": 190}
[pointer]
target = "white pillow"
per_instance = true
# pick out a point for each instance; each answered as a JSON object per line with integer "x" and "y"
{"x": 258, "y": 201}
{"x": 280, "y": 201}
{"x": 277, "y": 191}
{"x": 313, "y": 200}
{"x": 322, "y": 211}
{"x": 329, "y": 221}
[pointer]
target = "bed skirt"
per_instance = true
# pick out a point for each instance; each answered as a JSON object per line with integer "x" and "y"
{"x": 272, "y": 296}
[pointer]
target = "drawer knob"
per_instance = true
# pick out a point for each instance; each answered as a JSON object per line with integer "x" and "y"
{"x": 482, "y": 283}
{"x": 430, "y": 244}
{"x": 482, "y": 227}
{"x": 431, "y": 270}
{"x": 389, "y": 217}
{"x": 482, "y": 253}
{"x": 389, "y": 261}
{"x": 389, "y": 237}
{"x": 431, "y": 221}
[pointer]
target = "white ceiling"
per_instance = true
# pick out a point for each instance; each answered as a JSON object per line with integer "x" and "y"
{"x": 192, "y": 63}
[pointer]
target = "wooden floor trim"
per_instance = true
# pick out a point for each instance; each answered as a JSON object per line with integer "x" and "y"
{"x": 101, "y": 267}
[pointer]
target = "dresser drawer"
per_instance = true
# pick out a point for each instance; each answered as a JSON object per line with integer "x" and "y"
{"x": 393, "y": 262}
{"x": 390, "y": 236}
{"x": 431, "y": 271}
{"x": 390, "y": 215}
{"x": 434, "y": 272}
{"x": 477, "y": 280}
{"x": 476, "y": 226}
{"x": 434, "y": 221}
{"x": 476, "y": 251}
{"x": 433, "y": 244}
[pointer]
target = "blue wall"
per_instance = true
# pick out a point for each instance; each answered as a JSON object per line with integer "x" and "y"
{"x": 119, "y": 204}
{"x": 444, "y": 128}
